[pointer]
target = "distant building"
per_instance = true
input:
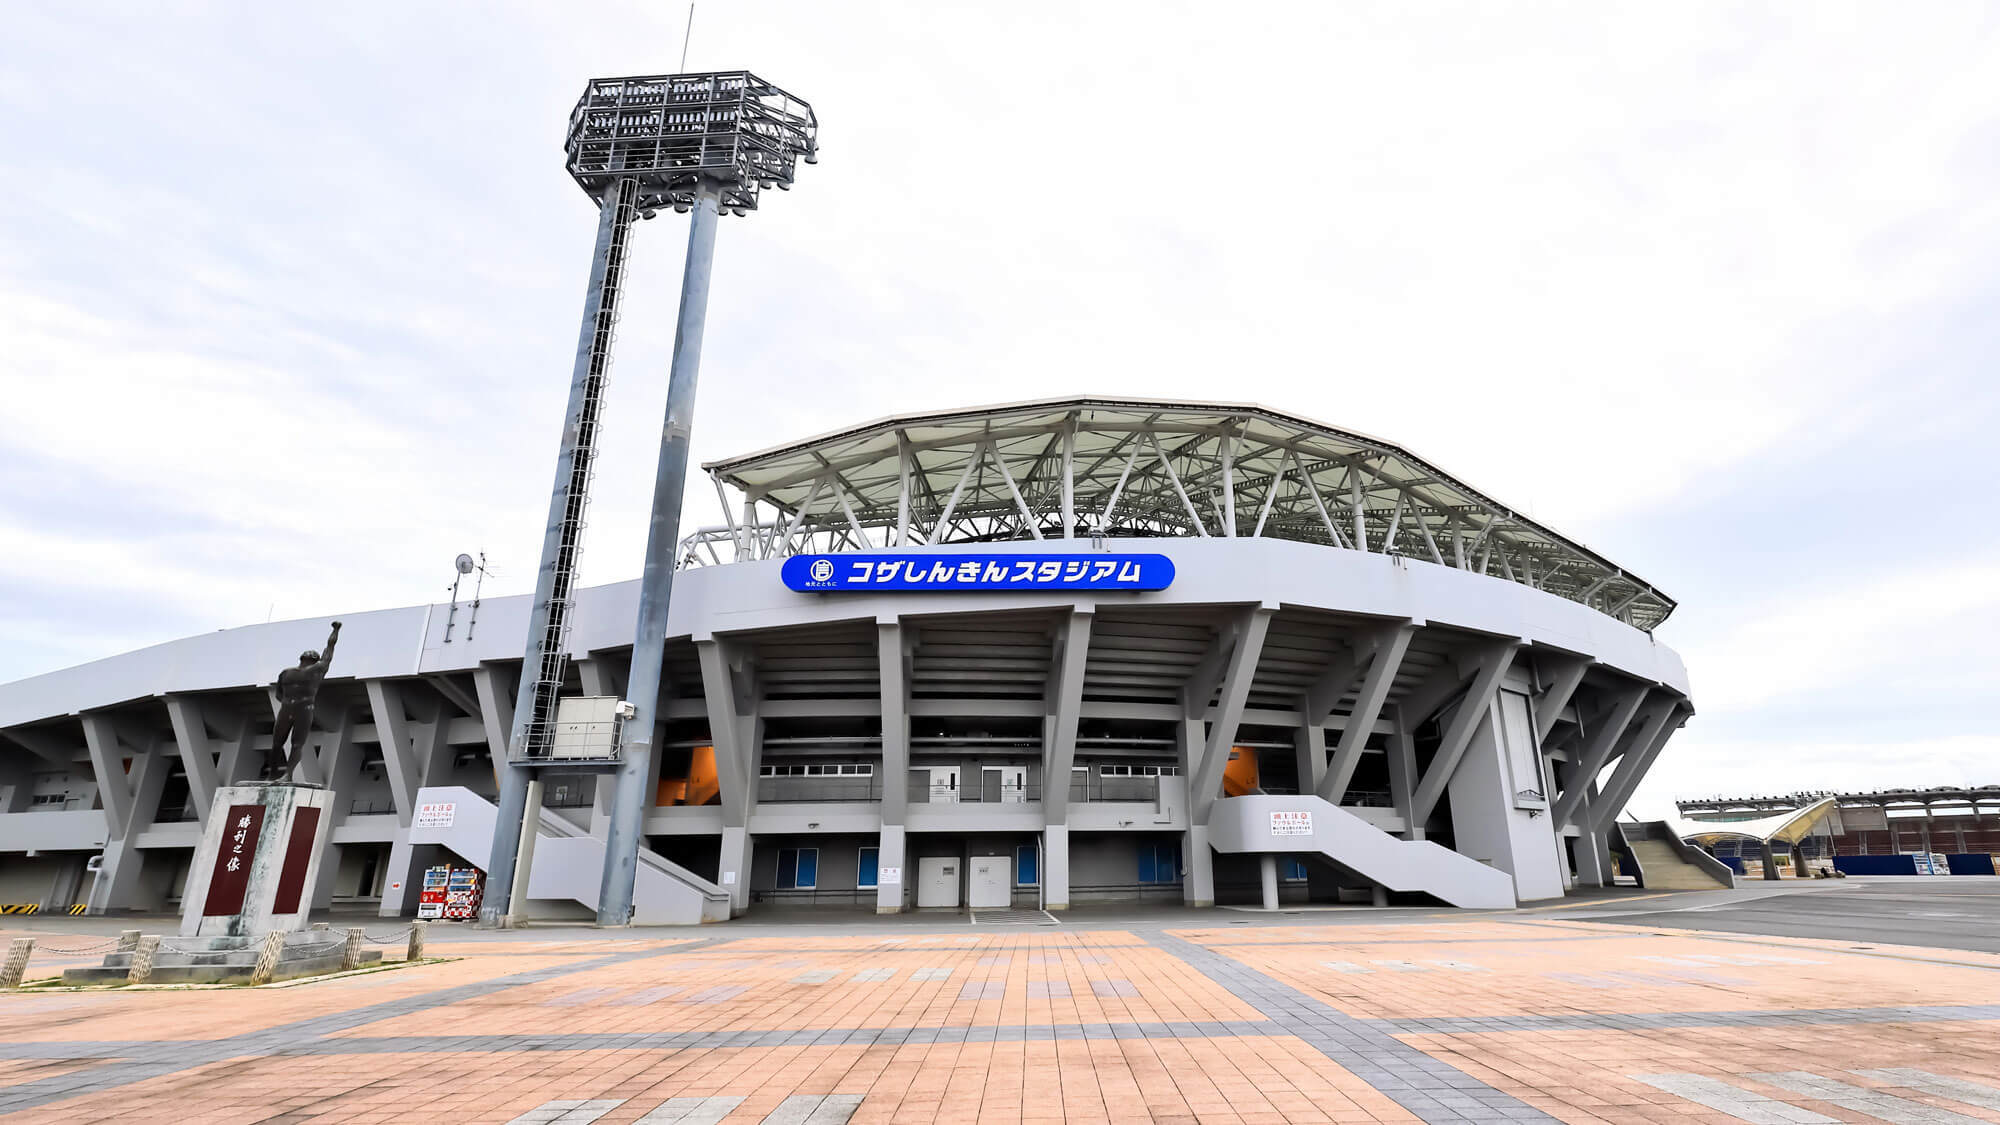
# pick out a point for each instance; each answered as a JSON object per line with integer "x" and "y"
{"x": 1829, "y": 829}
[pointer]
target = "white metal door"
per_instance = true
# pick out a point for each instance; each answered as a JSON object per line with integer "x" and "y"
{"x": 1011, "y": 785}
{"x": 937, "y": 881}
{"x": 944, "y": 789}
{"x": 991, "y": 888}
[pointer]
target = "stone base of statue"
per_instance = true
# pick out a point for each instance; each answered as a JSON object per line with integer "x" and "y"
{"x": 259, "y": 857}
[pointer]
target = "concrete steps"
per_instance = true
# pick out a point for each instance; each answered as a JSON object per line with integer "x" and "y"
{"x": 1664, "y": 870}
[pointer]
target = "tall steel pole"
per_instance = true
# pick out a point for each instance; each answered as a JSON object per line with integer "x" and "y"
{"x": 548, "y": 619}
{"x": 656, "y": 584}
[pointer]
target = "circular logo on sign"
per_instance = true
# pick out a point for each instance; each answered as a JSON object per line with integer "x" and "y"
{"x": 822, "y": 569}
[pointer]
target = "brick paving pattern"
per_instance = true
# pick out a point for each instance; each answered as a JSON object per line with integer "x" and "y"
{"x": 1441, "y": 1019}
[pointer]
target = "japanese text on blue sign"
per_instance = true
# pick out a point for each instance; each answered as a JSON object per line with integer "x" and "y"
{"x": 822, "y": 573}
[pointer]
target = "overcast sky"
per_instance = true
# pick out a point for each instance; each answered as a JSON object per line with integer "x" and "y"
{"x": 288, "y": 297}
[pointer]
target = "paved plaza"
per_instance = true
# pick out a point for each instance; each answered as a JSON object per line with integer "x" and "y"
{"x": 1351, "y": 1015}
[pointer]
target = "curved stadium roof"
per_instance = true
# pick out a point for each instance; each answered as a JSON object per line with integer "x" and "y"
{"x": 1142, "y": 468}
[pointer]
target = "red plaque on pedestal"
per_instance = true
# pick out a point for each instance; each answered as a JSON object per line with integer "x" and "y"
{"x": 231, "y": 877}
{"x": 298, "y": 857}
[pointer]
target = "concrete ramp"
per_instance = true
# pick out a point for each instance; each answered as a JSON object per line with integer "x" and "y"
{"x": 569, "y": 863}
{"x": 1308, "y": 826}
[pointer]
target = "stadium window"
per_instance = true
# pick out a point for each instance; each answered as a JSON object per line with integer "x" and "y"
{"x": 798, "y": 869}
{"x": 1292, "y": 870}
{"x": 1159, "y": 863}
{"x": 1027, "y": 868}
{"x": 866, "y": 867}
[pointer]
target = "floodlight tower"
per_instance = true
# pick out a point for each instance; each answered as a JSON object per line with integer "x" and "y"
{"x": 701, "y": 144}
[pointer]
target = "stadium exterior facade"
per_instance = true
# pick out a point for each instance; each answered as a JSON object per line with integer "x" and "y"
{"x": 1364, "y": 680}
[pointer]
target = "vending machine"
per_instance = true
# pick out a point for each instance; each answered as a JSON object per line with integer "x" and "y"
{"x": 461, "y": 894}
{"x": 431, "y": 898}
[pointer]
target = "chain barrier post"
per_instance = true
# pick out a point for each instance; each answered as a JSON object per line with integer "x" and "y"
{"x": 416, "y": 950}
{"x": 16, "y": 966}
{"x": 267, "y": 957}
{"x": 351, "y": 958}
{"x": 128, "y": 940}
{"x": 142, "y": 959}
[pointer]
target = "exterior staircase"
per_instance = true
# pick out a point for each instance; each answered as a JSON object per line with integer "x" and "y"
{"x": 1247, "y": 824}
{"x": 1664, "y": 862}
{"x": 568, "y": 862}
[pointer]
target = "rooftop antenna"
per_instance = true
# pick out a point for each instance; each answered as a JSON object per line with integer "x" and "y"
{"x": 687, "y": 36}
{"x": 463, "y": 565}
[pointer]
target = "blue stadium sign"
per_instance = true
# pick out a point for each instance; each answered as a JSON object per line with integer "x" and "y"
{"x": 977, "y": 571}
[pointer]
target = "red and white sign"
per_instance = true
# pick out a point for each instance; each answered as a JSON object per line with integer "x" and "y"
{"x": 1291, "y": 824}
{"x": 436, "y": 814}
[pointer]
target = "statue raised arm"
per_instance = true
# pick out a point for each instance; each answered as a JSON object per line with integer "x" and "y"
{"x": 298, "y": 691}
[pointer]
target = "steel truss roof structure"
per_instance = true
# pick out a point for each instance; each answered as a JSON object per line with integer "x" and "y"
{"x": 1139, "y": 468}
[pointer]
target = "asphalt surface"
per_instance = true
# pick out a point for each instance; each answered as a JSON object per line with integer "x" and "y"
{"x": 1959, "y": 912}
{"x": 1941, "y": 912}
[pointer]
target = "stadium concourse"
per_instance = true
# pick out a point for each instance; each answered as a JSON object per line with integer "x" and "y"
{"x": 1016, "y": 657}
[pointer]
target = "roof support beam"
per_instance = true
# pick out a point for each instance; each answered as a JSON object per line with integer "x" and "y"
{"x": 1069, "y": 477}
{"x": 1229, "y": 484}
{"x": 951, "y": 505}
{"x": 1326, "y": 517}
{"x": 1111, "y": 505}
{"x": 496, "y": 710}
{"x": 903, "y": 459}
{"x": 798, "y": 517}
{"x": 1472, "y": 710}
{"x": 1389, "y": 645}
{"x": 1027, "y": 517}
{"x": 1182, "y": 492}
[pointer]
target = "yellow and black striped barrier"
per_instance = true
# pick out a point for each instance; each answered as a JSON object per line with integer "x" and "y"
{"x": 36, "y": 908}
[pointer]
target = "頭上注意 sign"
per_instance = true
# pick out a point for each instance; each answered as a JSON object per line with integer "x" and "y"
{"x": 1291, "y": 824}
{"x": 980, "y": 571}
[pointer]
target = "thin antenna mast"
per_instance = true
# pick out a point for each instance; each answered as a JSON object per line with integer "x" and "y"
{"x": 686, "y": 35}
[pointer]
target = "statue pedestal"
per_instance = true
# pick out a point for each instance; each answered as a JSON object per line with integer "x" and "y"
{"x": 258, "y": 859}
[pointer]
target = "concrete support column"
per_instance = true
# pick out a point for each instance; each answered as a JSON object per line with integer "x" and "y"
{"x": 890, "y": 857}
{"x": 1267, "y": 872}
{"x": 1055, "y": 867}
{"x": 1771, "y": 860}
{"x": 1593, "y": 858}
{"x": 1198, "y": 872}
{"x": 1309, "y": 744}
{"x": 734, "y": 868}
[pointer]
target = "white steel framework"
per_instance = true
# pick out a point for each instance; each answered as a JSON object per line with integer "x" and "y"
{"x": 1138, "y": 468}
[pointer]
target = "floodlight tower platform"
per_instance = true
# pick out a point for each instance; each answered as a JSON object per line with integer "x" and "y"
{"x": 703, "y": 144}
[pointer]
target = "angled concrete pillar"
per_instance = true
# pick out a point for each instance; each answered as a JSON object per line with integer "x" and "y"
{"x": 1403, "y": 778}
{"x": 1198, "y": 867}
{"x": 890, "y": 858}
{"x": 1065, "y": 699}
{"x": 1267, "y": 874}
{"x": 733, "y": 872}
{"x": 1601, "y": 737}
{"x": 1055, "y": 867}
{"x": 191, "y": 739}
{"x": 1493, "y": 662}
{"x": 1387, "y": 648}
{"x": 1205, "y": 787}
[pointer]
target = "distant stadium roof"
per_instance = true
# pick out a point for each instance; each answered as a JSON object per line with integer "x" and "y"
{"x": 1134, "y": 467}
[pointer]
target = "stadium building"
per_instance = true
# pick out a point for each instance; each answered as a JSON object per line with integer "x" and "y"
{"x": 1032, "y": 655}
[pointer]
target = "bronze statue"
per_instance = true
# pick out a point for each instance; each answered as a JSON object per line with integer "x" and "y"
{"x": 297, "y": 689}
